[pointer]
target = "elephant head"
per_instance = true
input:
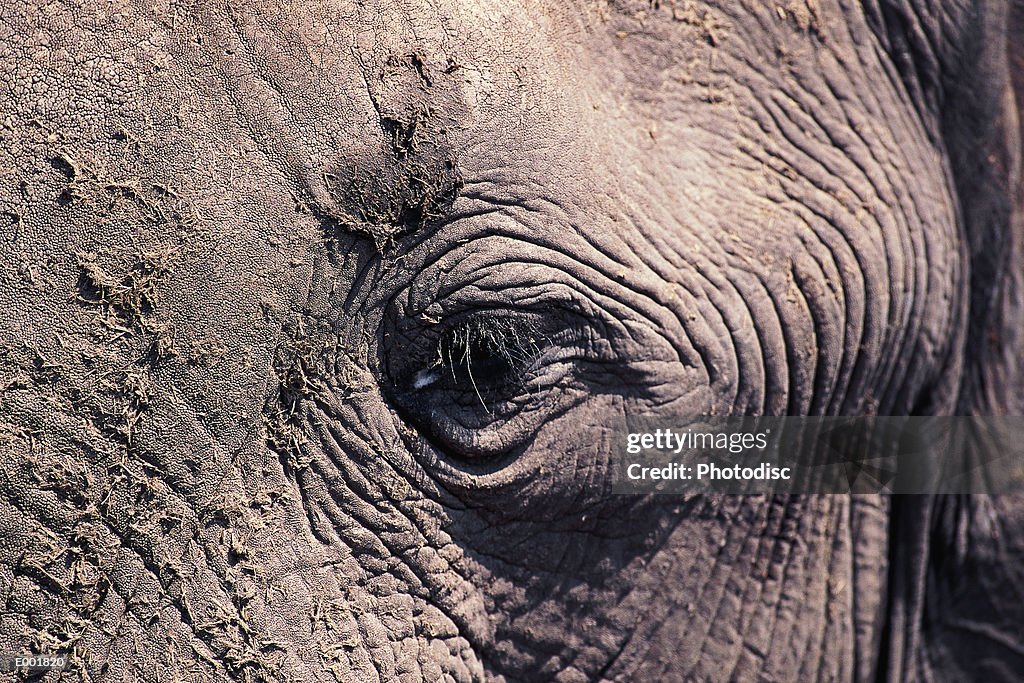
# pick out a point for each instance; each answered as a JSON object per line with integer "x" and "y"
{"x": 318, "y": 316}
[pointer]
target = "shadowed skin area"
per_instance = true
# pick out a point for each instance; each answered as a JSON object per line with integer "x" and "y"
{"x": 318, "y": 319}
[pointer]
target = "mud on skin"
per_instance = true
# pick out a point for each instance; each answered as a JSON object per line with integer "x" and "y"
{"x": 316, "y": 319}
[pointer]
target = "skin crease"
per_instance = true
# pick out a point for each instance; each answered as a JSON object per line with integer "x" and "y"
{"x": 237, "y": 234}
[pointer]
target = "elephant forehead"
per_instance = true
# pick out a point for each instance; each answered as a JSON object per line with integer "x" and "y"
{"x": 357, "y": 104}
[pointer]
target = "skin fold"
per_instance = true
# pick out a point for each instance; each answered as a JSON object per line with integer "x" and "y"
{"x": 318, "y": 318}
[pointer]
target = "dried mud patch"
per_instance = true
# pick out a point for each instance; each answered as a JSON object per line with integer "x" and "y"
{"x": 126, "y": 298}
{"x": 295, "y": 365}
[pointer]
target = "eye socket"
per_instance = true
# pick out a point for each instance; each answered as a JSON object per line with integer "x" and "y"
{"x": 480, "y": 385}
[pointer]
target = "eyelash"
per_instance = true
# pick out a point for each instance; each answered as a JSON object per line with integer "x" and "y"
{"x": 506, "y": 344}
{"x": 478, "y": 383}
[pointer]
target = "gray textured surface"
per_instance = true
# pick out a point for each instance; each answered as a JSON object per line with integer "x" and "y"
{"x": 237, "y": 239}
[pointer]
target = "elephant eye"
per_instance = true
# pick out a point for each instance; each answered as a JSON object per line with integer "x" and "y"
{"x": 478, "y": 386}
{"x": 481, "y": 357}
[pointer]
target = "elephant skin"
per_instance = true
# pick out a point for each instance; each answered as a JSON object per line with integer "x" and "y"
{"x": 318, "y": 318}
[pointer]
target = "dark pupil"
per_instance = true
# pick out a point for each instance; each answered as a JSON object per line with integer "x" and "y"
{"x": 484, "y": 354}
{"x": 483, "y": 362}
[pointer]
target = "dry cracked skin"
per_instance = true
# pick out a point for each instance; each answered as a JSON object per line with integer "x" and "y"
{"x": 317, "y": 316}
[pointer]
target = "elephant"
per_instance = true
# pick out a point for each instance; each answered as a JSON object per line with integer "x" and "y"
{"x": 318, "y": 317}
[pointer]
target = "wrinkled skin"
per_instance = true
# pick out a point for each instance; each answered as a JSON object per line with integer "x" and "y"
{"x": 249, "y": 251}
